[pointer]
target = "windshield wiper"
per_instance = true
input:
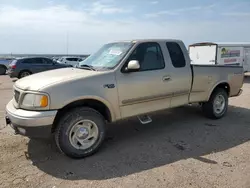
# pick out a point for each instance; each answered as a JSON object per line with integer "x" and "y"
{"x": 84, "y": 66}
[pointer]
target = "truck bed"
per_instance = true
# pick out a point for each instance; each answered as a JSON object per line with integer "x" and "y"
{"x": 207, "y": 77}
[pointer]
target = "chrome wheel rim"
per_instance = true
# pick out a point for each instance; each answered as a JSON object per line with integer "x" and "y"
{"x": 25, "y": 74}
{"x": 219, "y": 104}
{"x": 83, "y": 134}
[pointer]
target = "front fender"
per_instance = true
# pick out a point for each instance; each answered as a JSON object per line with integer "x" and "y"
{"x": 97, "y": 98}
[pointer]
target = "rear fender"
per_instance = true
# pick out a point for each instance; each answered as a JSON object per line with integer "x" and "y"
{"x": 215, "y": 86}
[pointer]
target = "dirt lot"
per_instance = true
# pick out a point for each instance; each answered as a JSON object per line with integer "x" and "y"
{"x": 180, "y": 148}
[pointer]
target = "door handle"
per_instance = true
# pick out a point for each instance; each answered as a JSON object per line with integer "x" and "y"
{"x": 166, "y": 78}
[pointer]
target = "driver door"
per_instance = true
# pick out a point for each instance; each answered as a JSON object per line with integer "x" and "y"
{"x": 148, "y": 89}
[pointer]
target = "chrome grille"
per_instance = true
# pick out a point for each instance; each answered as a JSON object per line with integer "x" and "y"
{"x": 16, "y": 95}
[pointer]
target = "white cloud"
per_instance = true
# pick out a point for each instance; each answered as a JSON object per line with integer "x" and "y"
{"x": 179, "y": 11}
{"x": 59, "y": 15}
{"x": 154, "y": 2}
{"x": 51, "y": 2}
{"x": 100, "y": 7}
{"x": 173, "y": 12}
{"x": 243, "y": 14}
{"x": 44, "y": 30}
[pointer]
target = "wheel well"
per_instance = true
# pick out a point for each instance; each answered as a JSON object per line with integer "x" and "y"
{"x": 25, "y": 70}
{"x": 223, "y": 86}
{"x": 91, "y": 103}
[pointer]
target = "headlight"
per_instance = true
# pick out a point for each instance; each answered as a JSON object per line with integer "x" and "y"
{"x": 31, "y": 100}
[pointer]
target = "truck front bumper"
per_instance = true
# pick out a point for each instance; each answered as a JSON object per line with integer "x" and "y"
{"x": 34, "y": 124}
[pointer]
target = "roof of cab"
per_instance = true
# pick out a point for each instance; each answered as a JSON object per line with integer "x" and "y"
{"x": 150, "y": 40}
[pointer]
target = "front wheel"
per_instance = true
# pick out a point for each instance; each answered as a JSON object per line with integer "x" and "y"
{"x": 80, "y": 132}
{"x": 217, "y": 105}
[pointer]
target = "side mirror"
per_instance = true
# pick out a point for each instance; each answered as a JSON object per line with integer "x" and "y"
{"x": 133, "y": 66}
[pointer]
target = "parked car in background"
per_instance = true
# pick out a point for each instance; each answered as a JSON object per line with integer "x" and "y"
{"x": 4, "y": 63}
{"x": 55, "y": 58}
{"x": 22, "y": 67}
{"x": 70, "y": 60}
{"x": 77, "y": 65}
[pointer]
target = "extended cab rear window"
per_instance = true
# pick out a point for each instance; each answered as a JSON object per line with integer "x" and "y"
{"x": 176, "y": 54}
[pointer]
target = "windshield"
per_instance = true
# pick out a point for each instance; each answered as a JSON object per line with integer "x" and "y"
{"x": 108, "y": 56}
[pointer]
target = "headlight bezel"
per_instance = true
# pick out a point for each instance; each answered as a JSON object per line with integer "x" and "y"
{"x": 34, "y": 107}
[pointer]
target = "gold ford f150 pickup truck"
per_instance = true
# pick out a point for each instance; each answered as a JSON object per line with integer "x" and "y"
{"x": 121, "y": 80}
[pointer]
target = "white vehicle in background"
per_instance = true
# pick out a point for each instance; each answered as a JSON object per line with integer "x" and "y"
{"x": 70, "y": 60}
{"x": 221, "y": 54}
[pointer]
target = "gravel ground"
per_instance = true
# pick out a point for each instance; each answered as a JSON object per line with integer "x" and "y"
{"x": 180, "y": 148}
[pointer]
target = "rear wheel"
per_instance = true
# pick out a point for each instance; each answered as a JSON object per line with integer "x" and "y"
{"x": 2, "y": 70}
{"x": 80, "y": 132}
{"x": 217, "y": 105}
{"x": 24, "y": 74}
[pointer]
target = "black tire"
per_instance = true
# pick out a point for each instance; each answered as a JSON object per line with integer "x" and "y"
{"x": 2, "y": 70}
{"x": 24, "y": 73}
{"x": 68, "y": 121}
{"x": 208, "y": 107}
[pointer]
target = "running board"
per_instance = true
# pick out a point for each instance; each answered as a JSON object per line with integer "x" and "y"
{"x": 144, "y": 119}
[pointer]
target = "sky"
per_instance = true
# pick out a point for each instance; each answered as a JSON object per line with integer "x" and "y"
{"x": 83, "y": 26}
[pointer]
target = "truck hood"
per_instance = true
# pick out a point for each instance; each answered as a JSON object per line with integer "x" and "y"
{"x": 40, "y": 80}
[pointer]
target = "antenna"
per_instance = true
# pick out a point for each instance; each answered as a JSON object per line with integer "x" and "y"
{"x": 67, "y": 43}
